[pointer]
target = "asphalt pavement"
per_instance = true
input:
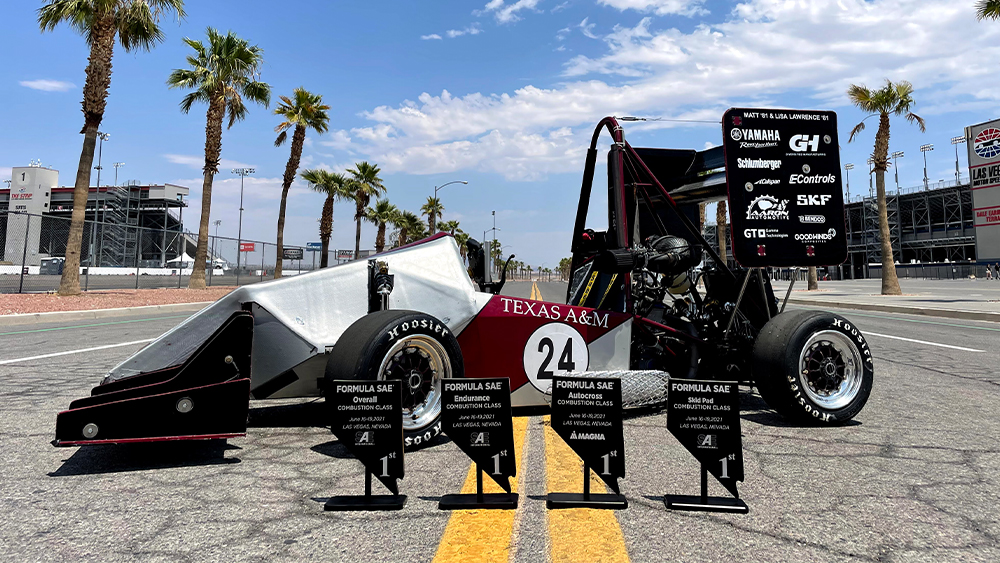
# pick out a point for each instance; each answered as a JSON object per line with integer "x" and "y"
{"x": 914, "y": 478}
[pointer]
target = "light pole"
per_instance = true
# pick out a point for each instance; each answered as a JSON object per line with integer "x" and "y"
{"x": 871, "y": 171}
{"x": 894, "y": 156}
{"x": 960, "y": 140}
{"x": 217, "y": 222}
{"x": 100, "y": 152}
{"x": 436, "y": 188}
{"x": 117, "y": 165}
{"x": 926, "y": 149}
{"x": 848, "y": 167}
{"x": 242, "y": 173}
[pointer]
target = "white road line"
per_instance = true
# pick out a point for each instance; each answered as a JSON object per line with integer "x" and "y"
{"x": 867, "y": 333}
{"x": 82, "y": 350}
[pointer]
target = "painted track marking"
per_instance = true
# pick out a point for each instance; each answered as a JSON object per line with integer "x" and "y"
{"x": 867, "y": 333}
{"x": 536, "y": 295}
{"x": 578, "y": 534}
{"x": 94, "y": 324}
{"x": 484, "y": 535}
{"x": 80, "y": 351}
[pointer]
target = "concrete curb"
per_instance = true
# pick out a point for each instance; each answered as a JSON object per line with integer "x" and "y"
{"x": 927, "y": 312}
{"x": 65, "y": 316}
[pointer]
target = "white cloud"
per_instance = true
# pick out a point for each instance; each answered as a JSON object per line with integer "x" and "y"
{"x": 560, "y": 7}
{"x": 47, "y": 85}
{"x": 768, "y": 50}
{"x": 507, "y": 13}
{"x": 587, "y": 28}
{"x": 563, "y": 33}
{"x": 339, "y": 139}
{"x": 659, "y": 7}
{"x": 198, "y": 162}
{"x": 431, "y": 36}
{"x": 473, "y": 29}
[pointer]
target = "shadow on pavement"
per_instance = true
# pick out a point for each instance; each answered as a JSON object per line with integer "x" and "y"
{"x": 754, "y": 409}
{"x": 92, "y": 460}
{"x": 297, "y": 415}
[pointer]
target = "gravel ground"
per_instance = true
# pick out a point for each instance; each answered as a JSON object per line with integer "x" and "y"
{"x": 48, "y": 302}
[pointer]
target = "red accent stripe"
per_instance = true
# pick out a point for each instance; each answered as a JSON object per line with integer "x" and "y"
{"x": 156, "y": 439}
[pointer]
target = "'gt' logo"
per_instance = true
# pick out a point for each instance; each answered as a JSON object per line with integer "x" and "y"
{"x": 804, "y": 199}
{"x": 803, "y": 143}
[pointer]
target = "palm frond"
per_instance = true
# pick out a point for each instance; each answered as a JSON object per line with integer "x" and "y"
{"x": 281, "y": 138}
{"x": 914, "y": 118}
{"x": 857, "y": 129}
{"x": 988, "y": 9}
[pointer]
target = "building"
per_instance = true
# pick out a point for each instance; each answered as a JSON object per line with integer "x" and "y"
{"x": 127, "y": 226}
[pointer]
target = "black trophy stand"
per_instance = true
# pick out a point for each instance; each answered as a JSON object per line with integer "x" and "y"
{"x": 478, "y": 500}
{"x": 368, "y": 501}
{"x": 705, "y": 503}
{"x": 607, "y": 501}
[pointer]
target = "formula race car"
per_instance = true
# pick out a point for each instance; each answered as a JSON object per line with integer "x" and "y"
{"x": 633, "y": 308}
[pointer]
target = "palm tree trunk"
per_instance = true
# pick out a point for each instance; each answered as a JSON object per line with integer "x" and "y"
{"x": 431, "y": 221}
{"x": 890, "y": 283}
{"x": 95, "y": 95}
{"x": 720, "y": 221}
{"x": 357, "y": 232}
{"x": 213, "y": 148}
{"x": 402, "y": 236}
{"x": 380, "y": 239}
{"x": 813, "y": 279}
{"x": 298, "y": 139}
{"x": 325, "y": 230}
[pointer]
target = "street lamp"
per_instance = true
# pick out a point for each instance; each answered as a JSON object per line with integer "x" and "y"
{"x": 960, "y": 140}
{"x": 895, "y": 155}
{"x": 242, "y": 173}
{"x": 848, "y": 167}
{"x": 211, "y": 272}
{"x": 925, "y": 149}
{"x": 436, "y": 188}
{"x": 100, "y": 152}
{"x": 117, "y": 165}
{"x": 871, "y": 170}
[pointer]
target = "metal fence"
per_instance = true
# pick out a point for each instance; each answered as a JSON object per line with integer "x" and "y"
{"x": 952, "y": 271}
{"x": 117, "y": 256}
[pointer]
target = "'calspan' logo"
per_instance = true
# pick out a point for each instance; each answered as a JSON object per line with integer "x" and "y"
{"x": 987, "y": 143}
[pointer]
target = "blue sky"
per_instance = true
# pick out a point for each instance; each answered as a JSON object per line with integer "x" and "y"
{"x": 504, "y": 94}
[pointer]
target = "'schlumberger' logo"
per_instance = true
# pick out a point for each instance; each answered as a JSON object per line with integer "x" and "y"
{"x": 758, "y": 163}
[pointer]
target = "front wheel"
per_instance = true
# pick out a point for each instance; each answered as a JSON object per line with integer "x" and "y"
{"x": 413, "y": 347}
{"x": 813, "y": 366}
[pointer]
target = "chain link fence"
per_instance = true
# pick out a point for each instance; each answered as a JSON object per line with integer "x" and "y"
{"x": 117, "y": 256}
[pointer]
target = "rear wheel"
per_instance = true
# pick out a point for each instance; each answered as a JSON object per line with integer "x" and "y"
{"x": 813, "y": 366}
{"x": 413, "y": 347}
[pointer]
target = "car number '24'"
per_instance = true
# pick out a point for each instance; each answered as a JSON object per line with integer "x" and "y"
{"x": 554, "y": 349}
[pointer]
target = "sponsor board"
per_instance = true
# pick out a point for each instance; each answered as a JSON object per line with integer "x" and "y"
{"x": 983, "y": 144}
{"x": 778, "y": 194}
{"x": 587, "y": 414}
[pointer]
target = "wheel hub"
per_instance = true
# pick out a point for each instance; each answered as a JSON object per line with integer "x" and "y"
{"x": 420, "y": 363}
{"x": 830, "y": 368}
{"x": 824, "y": 368}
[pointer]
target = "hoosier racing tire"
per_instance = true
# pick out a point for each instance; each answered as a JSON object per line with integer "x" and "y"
{"x": 813, "y": 367}
{"x": 410, "y": 346}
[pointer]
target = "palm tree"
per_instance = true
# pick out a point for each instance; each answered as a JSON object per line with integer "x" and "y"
{"x": 383, "y": 213}
{"x": 895, "y": 99}
{"x": 988, "y": 9}
{"x": 134, "y": 23}
{"x": 417, "y": 231}
{"x": 335, "y": 187}
{"x": 720, "y": 226}
{"x": 306, "y": 111}
{"x": 448, "y": 227}
{"x": 462, "y": 238}
{"x": 407, "y": 222}
{"x": 222, "y": 74}
{"x": 365, "y": 185}
{"x": 432, "y": 209}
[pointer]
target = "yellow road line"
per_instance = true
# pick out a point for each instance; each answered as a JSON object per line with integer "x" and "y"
{"x": 578, "y": 534}
{"x": 483, "y": 535}
{"x": 535, "y": 294}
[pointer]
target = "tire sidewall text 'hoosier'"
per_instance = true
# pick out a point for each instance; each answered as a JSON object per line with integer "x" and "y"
{"x": 365, "y": 347}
